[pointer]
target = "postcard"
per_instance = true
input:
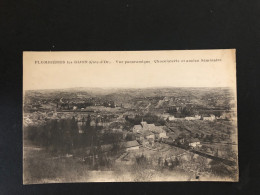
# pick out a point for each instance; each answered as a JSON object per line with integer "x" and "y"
{"x": 130, "y": 116}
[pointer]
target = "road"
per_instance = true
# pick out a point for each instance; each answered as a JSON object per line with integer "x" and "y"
{"x": 225, "y": 161}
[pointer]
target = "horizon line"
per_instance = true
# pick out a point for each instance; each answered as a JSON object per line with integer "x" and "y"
{"x": 127, "y": 87}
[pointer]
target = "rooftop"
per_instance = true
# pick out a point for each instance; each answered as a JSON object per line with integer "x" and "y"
{"x": 131, "y": 144}
{"x": 194, "y": 140}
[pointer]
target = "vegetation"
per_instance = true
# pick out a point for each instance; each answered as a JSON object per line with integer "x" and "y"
{"x": 54, "y": 135}
{"x": 220, "y": 169}
{"x": 149, "y": 118}
{"x": 63, "y": 136}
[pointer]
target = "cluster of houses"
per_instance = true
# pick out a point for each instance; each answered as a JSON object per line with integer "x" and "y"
{"x": 174, "y": 138}
{"x": 37, "y": 117}
{"x": 194, "y": 143}
{"x": 147, "y": 133}
{"x": 205, "y": 117}
{"x": 82, "y": 105}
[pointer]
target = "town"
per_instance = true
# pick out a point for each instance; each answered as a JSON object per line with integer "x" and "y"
{"x": 151, "y": 133}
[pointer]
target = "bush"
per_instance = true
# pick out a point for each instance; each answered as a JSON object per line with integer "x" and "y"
{"x": 142, "y": 169}
{"x": 219, "y": 168}
{"x": 141, "y": 160}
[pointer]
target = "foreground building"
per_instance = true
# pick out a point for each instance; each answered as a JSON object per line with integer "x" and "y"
{"x": 132, "y": 145}
{"x": 149, "y": 132}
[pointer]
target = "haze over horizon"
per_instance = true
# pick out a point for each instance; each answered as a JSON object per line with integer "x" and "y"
{"x": 119, "y": 88}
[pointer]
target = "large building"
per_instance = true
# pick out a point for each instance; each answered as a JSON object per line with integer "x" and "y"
{"x": 132, "y": 145}
{"x": 149, "y": 131}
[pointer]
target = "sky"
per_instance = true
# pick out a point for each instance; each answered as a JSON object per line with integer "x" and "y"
{"x": 130, "y": 75}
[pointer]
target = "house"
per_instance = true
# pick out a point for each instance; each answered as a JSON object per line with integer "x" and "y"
{"x": 142, "y": 135}
{"x": 148, "y": 135}
{"x": 130, "y": 116}
{"x": 144, "y": 127}
{"x": 194, "y": 143}
{"x": 209, "y": 118}
{"x": 117, "y": 130}
{"x": 225, "y": 116}
{"x": 159, "y": 132}
{"x": 161, "y": 135}
{"x": 132, "y": 145}
{"x": 149, "y": 131}
{"x": 171, "y": 118}
{"x": 165, "y": 116}
{"x": 196, "y": 117}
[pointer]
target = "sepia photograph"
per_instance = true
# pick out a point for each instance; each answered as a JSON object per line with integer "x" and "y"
{"x": 130, "y": 116}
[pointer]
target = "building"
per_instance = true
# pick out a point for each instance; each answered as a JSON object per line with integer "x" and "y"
{"x": 171, "y": 118}
{"x": 196, "y": 117}
{"x": 132, "y": 145}
{"x": 159, "y": 132}
{"x": 161, "y": 135}
{"x": 194, "y": 143}
{"x": 144, "y": 127}
{"x": 149, "y": 131}
{"x": 145, "y": 135}
{"x": 165, "y": 116}
{"x": 148, "y": 135}
{"x": 209, "y": 118}
{"x": 225, "y": 116}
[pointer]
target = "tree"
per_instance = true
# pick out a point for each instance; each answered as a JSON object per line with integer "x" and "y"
{"x": 88, "y": 121}
{"x": 54, "y": 134}
{"x": 74, "y": 130}
{"x": 211, "y": 138}
{"x": 127, "y": 126}
{"x": 207, "y": 138}
{"x": 129, "y": 137}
